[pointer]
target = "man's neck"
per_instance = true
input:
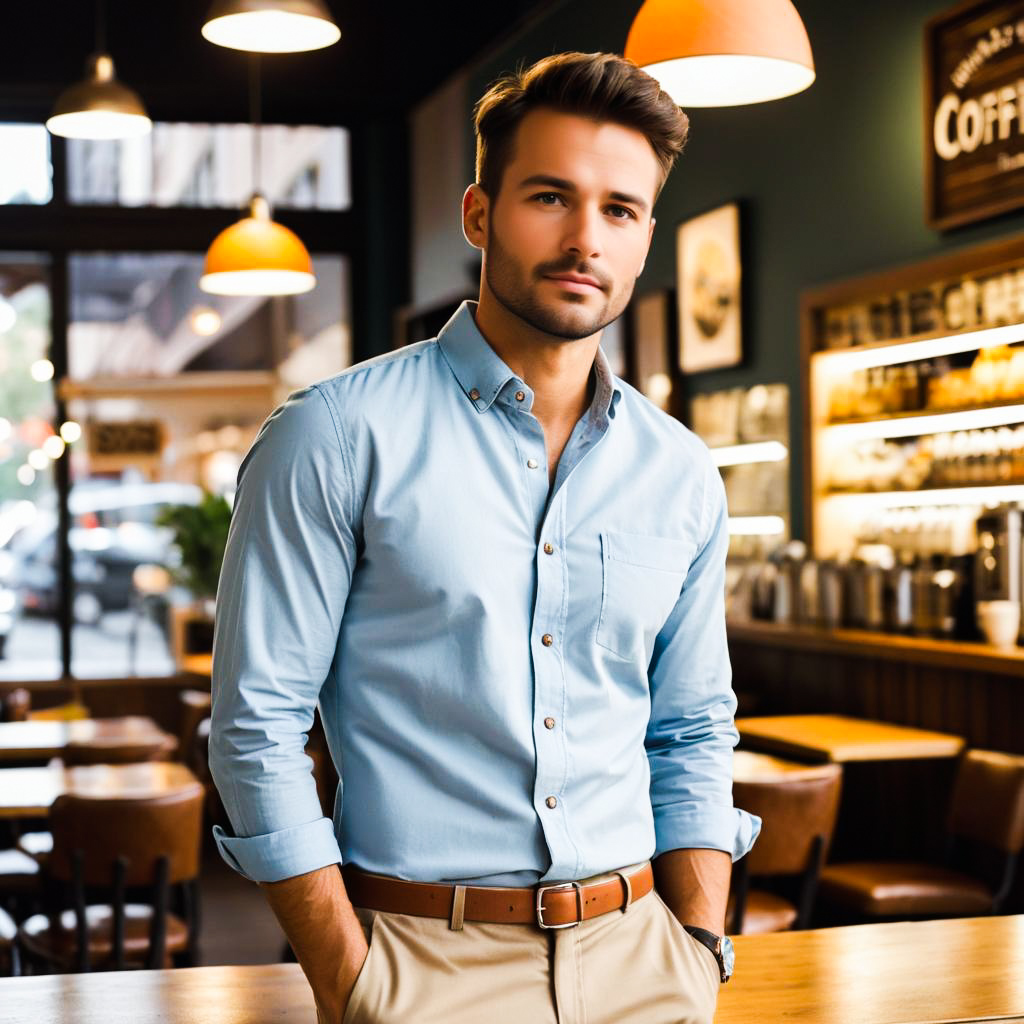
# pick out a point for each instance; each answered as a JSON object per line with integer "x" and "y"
{"x": 557, "y": 371}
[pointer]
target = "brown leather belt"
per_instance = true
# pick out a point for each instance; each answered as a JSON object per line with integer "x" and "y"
{"x": 556, "y": 905}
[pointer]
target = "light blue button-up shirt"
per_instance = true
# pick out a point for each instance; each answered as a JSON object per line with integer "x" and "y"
{"x": 518, "y": 682}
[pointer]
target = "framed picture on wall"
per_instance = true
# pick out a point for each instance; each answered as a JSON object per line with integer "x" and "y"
{"x": 708, "y": 273}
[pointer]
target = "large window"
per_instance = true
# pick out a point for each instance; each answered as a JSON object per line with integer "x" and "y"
{"x": 125, "y": 390}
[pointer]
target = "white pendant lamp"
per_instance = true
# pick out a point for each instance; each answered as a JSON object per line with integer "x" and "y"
{"x": 99, "y": 107}
{"x": 271, "y": 26}
{"x": 721, "y": 53}
{"x": 256, "y": 255}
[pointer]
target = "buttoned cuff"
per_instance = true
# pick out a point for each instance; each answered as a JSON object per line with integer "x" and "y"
{"x": 283, "y": 854}
{"x": 705, "y": 826}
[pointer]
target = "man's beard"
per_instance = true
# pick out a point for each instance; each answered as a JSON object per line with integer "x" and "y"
{"x": 510, "y": 284}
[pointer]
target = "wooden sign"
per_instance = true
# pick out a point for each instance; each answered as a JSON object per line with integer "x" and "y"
{"x": 974, "y": 112}
{"x": 117, "y": 444}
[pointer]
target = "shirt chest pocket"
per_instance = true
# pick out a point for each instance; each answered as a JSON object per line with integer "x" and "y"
{"x": 642, "y": 577}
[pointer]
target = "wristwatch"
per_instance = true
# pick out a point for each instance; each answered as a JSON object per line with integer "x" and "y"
{"x": 720, "y": 945}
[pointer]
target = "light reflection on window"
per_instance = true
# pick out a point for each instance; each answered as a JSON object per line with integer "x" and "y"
{"x": 25, "y": 172}
{"x": 302, "y": 167}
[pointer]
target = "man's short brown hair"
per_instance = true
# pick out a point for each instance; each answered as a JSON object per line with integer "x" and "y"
{"x": 601, "y": 86}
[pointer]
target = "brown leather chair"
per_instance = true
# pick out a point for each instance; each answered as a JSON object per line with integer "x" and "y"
{"x": 87, "y": 753}
{"x": 985, "y": 835}
{"x": 195, "y": 706}
{"x": 111, "y": 846}
{"x": 798, "y": 817}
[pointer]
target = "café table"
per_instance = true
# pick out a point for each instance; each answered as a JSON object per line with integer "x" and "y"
{"x": 30, "y": 792}
{"x": 750, "y": 766}
{"x": 896, "y": 778}
{"x": 198, "y": 664}
{"x": 42, "y": 740}
{"x": 922, "y": 972}
{"x": 841, "y": 738}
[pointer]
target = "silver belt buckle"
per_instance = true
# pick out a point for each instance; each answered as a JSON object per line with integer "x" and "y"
{"x": 551, "y": 888}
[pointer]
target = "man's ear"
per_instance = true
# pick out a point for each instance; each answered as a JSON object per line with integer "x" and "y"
{"x": 475, "y": 211}
{"x": 650, "y": 235}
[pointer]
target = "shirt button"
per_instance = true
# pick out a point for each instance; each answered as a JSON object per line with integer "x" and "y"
{"x": 548, "y": 549}
{"x": 532, "y": 463}
{"x": 549, "y": 723}
{"x": 551, "y": 802}
{"x": 520, "y": 395}
{"x": 547, "y": 639}
{"x": 474, "y": 394}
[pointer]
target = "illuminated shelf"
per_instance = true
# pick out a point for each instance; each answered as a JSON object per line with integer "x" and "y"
{"x": 747, "y": 454}
{"x": 756, "y": 526}
{"x": 853, "y": 420}
{"x": 888, "y": 353}
{"x": 915, "y": 424}
{"x": 967, "y": 494}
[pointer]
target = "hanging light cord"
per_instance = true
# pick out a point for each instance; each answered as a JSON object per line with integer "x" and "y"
{"x": 101, "y": 27}
{"x": 254, "y": 119}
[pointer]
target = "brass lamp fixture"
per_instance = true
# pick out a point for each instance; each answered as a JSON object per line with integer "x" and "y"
{"x": 722, "y": 53}
{"x": 271, "y": 26}
{"x": 256, "y": 255}
{"x": 99, "y": 107}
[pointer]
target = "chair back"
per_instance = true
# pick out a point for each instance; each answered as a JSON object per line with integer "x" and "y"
{"x": 15, "y": 705}
{"x": 798, "y": 817}
{"x": 101, "y": 831}
{"x": 987, "y": 805}
{"x": 128, "y": 753}
{"x": 194, "y": 706}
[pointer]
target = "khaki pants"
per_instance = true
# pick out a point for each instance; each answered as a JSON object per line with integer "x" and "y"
{"x": 637, "y": 966}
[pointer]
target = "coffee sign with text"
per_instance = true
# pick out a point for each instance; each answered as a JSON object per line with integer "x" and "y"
{"x": 974, "y": 100}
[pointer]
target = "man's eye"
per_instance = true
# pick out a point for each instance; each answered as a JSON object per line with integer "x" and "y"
{"x": 545, "y": 196}
{"x": 621, "y": 212}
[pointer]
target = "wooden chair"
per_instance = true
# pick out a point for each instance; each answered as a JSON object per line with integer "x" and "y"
{"x": 798, "y": 817}
{"x": 110, "y": 848}
{"x": 985, "y": 835}
{"x": 89, "y": 753}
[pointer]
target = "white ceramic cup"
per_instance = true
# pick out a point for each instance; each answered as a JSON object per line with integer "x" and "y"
{"x": 1000, "y": 622}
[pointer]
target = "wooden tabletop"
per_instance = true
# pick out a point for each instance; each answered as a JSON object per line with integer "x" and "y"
{"x": 839, "y": 738}
{"x": 38, "y": 739}
{"x": 749, "y": 766}
{"x": 30, "y": 792}
{"x": 921, "y": 972}
{"x": 198, "y": 664}
{"x": 906, "y": 973}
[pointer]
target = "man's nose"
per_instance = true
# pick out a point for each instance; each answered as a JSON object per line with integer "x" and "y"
{"x": 583, "y": 234}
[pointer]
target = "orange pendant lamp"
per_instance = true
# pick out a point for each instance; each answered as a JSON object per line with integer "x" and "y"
{"x": 722, "y": 53}
{"x": 257, "y": 256}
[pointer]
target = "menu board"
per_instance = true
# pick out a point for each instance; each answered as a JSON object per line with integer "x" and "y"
{"x": 974, "y": 104}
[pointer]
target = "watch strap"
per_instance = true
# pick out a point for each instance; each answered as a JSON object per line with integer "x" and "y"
{"x": 713, "y": 942}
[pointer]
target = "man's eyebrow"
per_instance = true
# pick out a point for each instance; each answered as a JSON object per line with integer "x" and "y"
{"x": 568, "y": 186}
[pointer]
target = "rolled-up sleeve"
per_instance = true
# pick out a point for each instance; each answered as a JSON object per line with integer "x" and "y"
{"x": 692, "y": 732}
{"x": 282, "y": 591}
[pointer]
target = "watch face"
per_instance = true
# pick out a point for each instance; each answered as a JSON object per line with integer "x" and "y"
{"x": 728, "y": 955}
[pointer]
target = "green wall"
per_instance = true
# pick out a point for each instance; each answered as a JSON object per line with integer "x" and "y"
{"x": 831, "y": 181}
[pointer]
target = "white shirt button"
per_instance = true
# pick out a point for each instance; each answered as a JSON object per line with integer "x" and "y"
{"x": 532, "y": 463}
{"x": 551, "y": 802}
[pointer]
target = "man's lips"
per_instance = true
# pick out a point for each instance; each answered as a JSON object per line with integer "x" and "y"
{"x": 576, "y": 282}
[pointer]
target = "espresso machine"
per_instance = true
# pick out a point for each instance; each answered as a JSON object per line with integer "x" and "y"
{"x": 997, "y": 563}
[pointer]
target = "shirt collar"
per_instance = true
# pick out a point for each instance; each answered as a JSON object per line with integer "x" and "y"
{"x": 484, "y": 376}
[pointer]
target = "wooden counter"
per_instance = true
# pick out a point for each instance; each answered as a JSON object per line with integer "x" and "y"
{"x": 971, "y": 690}
{"x": 905, "y": 973}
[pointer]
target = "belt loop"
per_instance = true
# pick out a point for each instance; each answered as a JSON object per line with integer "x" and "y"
{"x": 629, "y": 890}
{"x": 458, "y": 908}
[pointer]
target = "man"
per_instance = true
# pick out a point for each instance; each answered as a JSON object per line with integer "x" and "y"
{"x": 500, "y": 572}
